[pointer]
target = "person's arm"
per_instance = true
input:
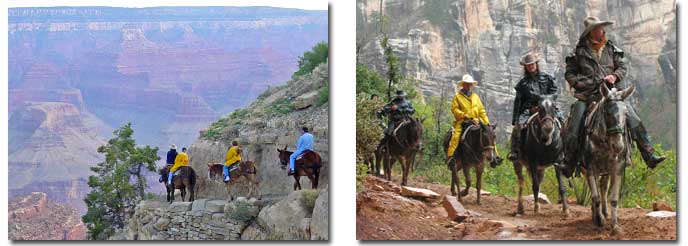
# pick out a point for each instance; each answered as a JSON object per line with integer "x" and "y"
{"x": 553, "y": 87}
{"x": 459, "y": 115}
{"x": 571, "y": 74}
{"x": 517, "y": 108}
{"x": 619, "y": 64}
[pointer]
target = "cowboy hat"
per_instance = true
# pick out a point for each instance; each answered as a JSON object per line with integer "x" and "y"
{"x": 467, "y": 78}
{"x": 530, "y": 58}
{"x": 591, "y": 22}
{"x": 401, "y": 93}
{"x": 173, "y": 146}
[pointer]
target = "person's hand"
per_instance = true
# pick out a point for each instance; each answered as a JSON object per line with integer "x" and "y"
{"x": 610, "y": 78}
{"x": 394, "y": 107}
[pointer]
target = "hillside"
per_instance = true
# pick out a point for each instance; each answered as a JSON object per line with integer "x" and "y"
{"x": 34, "y": 217}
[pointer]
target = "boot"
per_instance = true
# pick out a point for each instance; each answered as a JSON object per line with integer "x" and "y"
{"x": 515, "y": 133}
{"x": 650, "y": 156}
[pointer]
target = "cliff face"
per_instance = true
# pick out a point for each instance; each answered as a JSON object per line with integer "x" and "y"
{"x": 33, "y": 217}
{"x": 261, "y": 130}
{"x": 76, "y": 73}
{"x": 438, "y": 41}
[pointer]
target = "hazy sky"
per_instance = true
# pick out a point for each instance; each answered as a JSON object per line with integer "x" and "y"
{"x": 299, "y": 4}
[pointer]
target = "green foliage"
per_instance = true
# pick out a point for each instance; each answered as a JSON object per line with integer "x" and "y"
{"x": 394, "y": 75}
{"x": 369, "y": 82}
{"x": 361, "y": 172}
{"x": 111, "y": 189}
{"x": 311, "y": 59}
{"x": 323, "y": 95}
{"x": 215, "y": 129}
{"x": 280, "y": 106}
{"x": 368, "y": 126}
{"x": 241, "y": 212}
{"x": 308, "y": 198}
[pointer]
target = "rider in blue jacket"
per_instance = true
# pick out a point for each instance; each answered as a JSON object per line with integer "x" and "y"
{"x": 304, "y": 143}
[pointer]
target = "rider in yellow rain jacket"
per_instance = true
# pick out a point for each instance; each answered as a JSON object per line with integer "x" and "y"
{"x": 233, "y": 157}
{"x": 181, "y": 160}
{"x": 465, "y": 106}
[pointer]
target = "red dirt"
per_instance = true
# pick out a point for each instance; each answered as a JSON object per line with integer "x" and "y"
{"x": 382, "y": 214}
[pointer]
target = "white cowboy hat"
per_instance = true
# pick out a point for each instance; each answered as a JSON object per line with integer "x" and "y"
{"x": 173, "y": 146}
{"x": 467, "y": 78}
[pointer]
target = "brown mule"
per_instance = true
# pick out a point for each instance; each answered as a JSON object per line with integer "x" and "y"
{"x": 309, "y": 166}
{"x": 186, "y": 180}
{"x": 246, "y": 169}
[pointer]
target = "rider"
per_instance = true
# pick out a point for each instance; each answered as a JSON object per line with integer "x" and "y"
{"x": 534, "y": 84}
{"x": 171, "y": 155}
{"x": 396, "y": 110}
{"x": 304, "y": 143}
{"x": 595, "y": 60}
{"x": 466, "y": 107}
{"x": 182, "y": 160}
{"x": 231, "y": 159}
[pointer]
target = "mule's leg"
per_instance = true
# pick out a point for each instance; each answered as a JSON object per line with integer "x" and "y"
{"x": 467, "y": 176}
{"x": 406, "y": 168}
{"x": 478, "y": 181}
{"x": 183, "y": 190}
{"x": 616, "y": 183}
{"x": 518, "y": 168}
{"x": 536, "y": 177}
{"x": 378, "y": 159}
{"x": 311, "y": 177}
{"x": 604, "y": 187}
{"x": 595, "y": 195}
{"x": 387, "y": 166}
{"x": 454, "y": 179}
{"x": 562, "y": 192}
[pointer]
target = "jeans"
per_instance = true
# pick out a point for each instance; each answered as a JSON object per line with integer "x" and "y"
{"x": 292, "y": 158}
{"x": 169, "y": 180}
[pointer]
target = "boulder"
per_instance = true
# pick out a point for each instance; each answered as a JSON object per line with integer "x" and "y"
{"x": 305, "y": 100}
{"x": 282, "y": 220}
{"x": 495, "y": 224}
{"x": 419, "y": 193}
{"x": 455, "y": 210}
{"x": 179, "y": 206}
{"x": 253, "y": 232}
{"x": 656, "y": 206}
{"x": 661, "y": 214}
{"x": 215, "y": 206}
{"x": 319, "y": 226}
{"x": 161, "y": 224}
{"x": 198, "y": 205}
{"x": 542, "y": 198}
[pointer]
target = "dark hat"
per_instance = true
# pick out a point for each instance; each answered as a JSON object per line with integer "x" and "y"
{"x": 401, "y": 93}
{"x": 591, "y": 22}
{"x": 530, "y": 58}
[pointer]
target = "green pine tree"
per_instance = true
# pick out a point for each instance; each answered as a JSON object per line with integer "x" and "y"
{"x": 112, "y": 191}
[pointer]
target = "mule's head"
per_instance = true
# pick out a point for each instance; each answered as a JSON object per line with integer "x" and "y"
{"x": 614, "y": 110}
{"x": 415, "y": 135}
{"x": 546, "y": 119}
{"x": 488, "y": 138}
{"x": 284, "y": 156}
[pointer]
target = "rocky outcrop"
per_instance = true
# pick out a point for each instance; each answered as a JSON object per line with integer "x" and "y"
{"x": 34, "y": 217}
{"x": 302, "y": 215}
{"x": 438, "y": 41}
{"x": 261, "y": 129}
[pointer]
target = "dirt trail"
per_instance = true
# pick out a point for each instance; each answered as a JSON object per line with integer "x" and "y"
{"x": 383, "y": 214}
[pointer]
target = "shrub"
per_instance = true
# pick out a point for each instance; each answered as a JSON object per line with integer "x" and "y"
{"x": 311, "y": 59}
{"x": 308, "y": 198}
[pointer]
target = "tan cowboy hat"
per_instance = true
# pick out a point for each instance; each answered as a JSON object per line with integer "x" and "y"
{"x": 173, "y": 146}
{"x": 530, "y": 58}
{"x": 591, "y": 22}
{"x": 467, "y": 78}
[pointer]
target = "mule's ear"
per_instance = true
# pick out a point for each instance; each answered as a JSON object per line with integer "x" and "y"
{"x": 285, "y": 147}
{"x": 604, "y": 90}
{"x": 494, "y": 127}
{"x": 627, "y": 92}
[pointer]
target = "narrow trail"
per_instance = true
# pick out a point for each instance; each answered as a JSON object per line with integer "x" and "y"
{"x": 383, "y": 214}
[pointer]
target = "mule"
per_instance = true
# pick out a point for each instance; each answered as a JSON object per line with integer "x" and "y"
{"x": 185, "y": 180}
{"x": 606, "y": 152}
{"x": 307, "y": 165}
{"x": 476, "y": 146}
{"x": 245, "y": 169}
{"x": 402, "y": 145}
{"x": 542, "y": 147}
